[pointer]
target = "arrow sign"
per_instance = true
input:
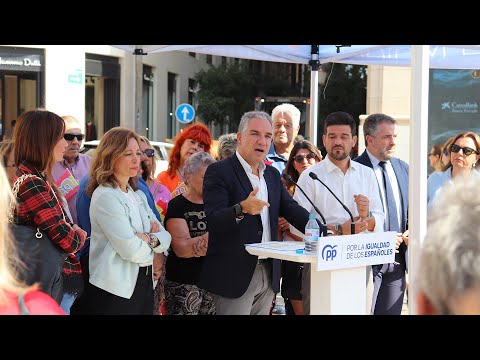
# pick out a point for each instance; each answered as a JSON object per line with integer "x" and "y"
{"x": 185, "y": 113}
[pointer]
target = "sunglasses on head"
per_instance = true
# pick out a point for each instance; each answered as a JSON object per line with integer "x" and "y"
{"x": 149, "y": 152}
{"x": 70, "y": 137}
{"x": 466, "y": 150}
{"x": 299, "y": 158}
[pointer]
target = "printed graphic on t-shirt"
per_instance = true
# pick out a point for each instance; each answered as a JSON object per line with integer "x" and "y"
{"x": 67, "y": 184}
{"x": 197, "y": 222}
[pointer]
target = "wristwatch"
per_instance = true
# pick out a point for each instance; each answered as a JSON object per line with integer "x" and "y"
{"x": 153, "y": 241}
{"x": 338, "y": 229}
{"x": 237, "y": 208}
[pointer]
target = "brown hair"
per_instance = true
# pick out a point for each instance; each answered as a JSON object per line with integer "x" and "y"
{"x": 154, "y": 158}
{"x": 111, "y": 147}
{"x": 290, "y": 168}
{"x": 198, "y": 132}
{"x": 35, "y": 136}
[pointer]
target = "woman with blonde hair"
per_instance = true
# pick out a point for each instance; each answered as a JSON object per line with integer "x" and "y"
{"x": 464, "y": 152}
{"x": 125, "y": 232}
{"x": 15, "y": 296}
{"x": 6, "y": 155}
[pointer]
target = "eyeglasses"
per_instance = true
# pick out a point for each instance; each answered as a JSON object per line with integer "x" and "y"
{"x": 299, "y": 158}
{"x": 445, "y": 152}
{"x": 70, "y": 137}
{"x": 466, "y": 150}
{"x": 149, "y": 152}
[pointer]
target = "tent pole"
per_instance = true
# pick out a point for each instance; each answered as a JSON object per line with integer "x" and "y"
{"x": 417, "y": 183}
{"x": 312, "y": 126}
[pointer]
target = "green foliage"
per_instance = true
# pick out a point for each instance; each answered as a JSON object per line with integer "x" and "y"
{"x": 228, "y": 91}
{"x": 346, "y": 90}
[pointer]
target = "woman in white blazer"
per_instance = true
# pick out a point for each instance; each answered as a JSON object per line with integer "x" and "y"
{"x": 125, "y": 232}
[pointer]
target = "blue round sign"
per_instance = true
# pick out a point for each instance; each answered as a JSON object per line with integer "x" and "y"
{"x": 185, "y": 113}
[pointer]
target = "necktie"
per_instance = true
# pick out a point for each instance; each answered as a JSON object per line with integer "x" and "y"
{"x": 390, "y": 199}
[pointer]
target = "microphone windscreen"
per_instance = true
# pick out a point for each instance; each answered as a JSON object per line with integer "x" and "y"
{"x": 312, "y": 175}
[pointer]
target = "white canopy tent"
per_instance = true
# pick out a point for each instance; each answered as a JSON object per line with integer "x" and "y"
{"x": 419, "y": 57}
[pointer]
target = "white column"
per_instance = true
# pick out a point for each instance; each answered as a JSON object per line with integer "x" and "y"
{"x": 65, "y": 80}
{"x": 417, "y": 184}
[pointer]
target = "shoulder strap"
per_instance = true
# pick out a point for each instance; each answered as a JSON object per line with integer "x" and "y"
{"x": 22, "y": 306}
{"x": 15, "y": 189}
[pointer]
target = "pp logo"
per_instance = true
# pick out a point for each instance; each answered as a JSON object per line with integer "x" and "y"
{"x": 329, "y": 252}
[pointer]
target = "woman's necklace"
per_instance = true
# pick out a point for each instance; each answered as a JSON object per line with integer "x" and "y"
{"x": 180, "y": 174}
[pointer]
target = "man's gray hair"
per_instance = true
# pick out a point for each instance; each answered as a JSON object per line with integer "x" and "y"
{"x": 370, "y": 126}
{"x": 242, "y": 127}
{"x": 450, "y": 256}
{"x": 227, "y": 144}
{"x": 197, "y": 161}
{"x": 290, "y": 110}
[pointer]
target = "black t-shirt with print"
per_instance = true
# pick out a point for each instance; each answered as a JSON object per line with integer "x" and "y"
{"x": 185, "y": 270}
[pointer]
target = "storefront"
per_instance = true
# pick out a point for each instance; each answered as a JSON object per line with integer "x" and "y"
{"x": 22, "y": 79}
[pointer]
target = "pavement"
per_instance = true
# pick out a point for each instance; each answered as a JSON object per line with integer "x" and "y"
{"x": 279, "y": 301}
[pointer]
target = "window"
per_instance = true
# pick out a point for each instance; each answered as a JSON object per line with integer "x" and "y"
{"x": 209, "y": 59}
{"x": 192, "y": 54}
{"x": 191, "y": 91}
{"x": 171, "y": 104}
{"x": 147, "y": 102}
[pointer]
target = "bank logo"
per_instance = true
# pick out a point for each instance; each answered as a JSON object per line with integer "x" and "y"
{"x": 329, "y": 252}
{"x": 457, "y": 107}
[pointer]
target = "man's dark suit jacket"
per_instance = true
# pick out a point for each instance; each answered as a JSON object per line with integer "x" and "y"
{"x": 228, "y": 268}
{"x": 401, "y": 172}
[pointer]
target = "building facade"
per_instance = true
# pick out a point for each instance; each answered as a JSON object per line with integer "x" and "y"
{"x": 105, "y": 86}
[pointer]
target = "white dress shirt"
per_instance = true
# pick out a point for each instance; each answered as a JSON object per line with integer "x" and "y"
{"x": 262, "y": 194}
{"x": 396, "y": 190}
{"x": 358, "y": 179}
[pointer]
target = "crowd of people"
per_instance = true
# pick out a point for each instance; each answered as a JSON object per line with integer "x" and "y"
{"x": 175, "y": 244}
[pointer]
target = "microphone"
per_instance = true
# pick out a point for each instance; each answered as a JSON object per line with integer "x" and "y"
{"x": 289, "y": 179}
{"x": 315, "y": 177}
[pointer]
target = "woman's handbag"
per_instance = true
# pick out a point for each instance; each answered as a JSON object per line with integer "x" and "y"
{"x": 43, "y": 260}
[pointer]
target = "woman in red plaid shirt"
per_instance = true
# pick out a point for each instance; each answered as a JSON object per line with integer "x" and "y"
{"x": 38, "y": 144}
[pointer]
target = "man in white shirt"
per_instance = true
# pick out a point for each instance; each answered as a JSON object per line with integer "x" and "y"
{"x": 353, "y": 183}
{"x": 243, "y": 199}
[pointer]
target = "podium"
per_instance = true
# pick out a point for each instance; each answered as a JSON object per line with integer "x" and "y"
{"x": 338, "y": 271}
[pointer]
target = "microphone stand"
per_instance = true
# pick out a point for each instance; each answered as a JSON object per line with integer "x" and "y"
{"x": 352, "y": 225}
{"x": 289, "y": 179}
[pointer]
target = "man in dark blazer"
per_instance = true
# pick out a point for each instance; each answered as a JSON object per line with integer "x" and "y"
{"x": 243, "y": 199}
{"x": 388, "y": 279}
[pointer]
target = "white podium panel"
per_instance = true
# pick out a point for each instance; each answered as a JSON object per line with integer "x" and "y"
{"x": 337, "y": 282}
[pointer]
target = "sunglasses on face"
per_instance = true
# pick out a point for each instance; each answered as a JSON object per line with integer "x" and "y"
{"x": 299, "y": 158}
{"x": 70, "y": 137}
{"x": 466, "y": 150}
{"x": 149, "y": 152}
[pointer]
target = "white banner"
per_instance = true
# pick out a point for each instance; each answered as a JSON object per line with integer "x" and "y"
{"x": 340, "y": 252}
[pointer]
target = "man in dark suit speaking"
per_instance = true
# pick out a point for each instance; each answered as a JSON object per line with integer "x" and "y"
{"x": 243, "y": 200}
{"x": 392, "y": 175}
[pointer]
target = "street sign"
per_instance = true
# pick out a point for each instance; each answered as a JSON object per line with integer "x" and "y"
{"x": 185, "y": 113}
